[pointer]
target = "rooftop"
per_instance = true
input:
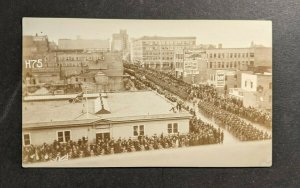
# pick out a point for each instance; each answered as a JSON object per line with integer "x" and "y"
{"x": 122, "y": 106}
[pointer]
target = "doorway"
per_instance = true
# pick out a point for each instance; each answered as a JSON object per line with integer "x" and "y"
{"x": 102, "y": 136}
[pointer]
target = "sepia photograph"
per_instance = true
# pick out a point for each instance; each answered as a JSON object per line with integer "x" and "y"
{"x": 146, "y": 93}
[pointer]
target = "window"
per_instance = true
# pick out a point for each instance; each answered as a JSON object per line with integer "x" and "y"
{"x": 76, "y": 79}
{"x": 170, "y": 128}
{"x": 251, "y": 54}
{"x": 26, "y": 140}
{"x": 173, "y": 128}
{"x": 135, "y": 130}
{"x": 63, "y": 136}
{"x": 141, "y": 130}
{"x": 270, "y": 98}
{"x": 245, "y": 83}
{"x": 138, "y": 130}
{"x": 251, "y": 84}
{"x": 270, "y": 85}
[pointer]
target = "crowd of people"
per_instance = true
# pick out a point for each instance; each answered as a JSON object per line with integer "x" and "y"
{"x": 200, "y": 134}
{"x": 232, "y": 123}
{"x": 209, "y": 94}
{"x": 188, "y": 92}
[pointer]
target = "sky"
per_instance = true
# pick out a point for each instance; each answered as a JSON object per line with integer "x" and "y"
{"x": 231, "y": 33}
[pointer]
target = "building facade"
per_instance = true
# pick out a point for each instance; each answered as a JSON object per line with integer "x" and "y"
{"x": 120, "y": 41}
{"x": 84, "y": 44}
{"x": 191, "y": 65}
{"x": 239, "y": 58}
{"x": 255, "y": 90}
{"x": 128, "y": 118}
{"x": 158, "y": 52}
{"x": 103, "y": 73}
{"x": 230, "y": 58}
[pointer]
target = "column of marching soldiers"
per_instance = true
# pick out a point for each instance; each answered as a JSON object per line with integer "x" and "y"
{"x": 227, "y": 112}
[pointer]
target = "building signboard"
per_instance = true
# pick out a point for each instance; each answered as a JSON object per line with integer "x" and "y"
{"x": 220, "y": 79}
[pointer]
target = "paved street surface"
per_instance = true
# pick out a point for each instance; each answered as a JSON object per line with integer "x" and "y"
{"x": 240, "y": 154}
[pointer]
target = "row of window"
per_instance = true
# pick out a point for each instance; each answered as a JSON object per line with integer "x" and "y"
{"x": 251, "y": 84}
{"x": 230, "y": 55}
{"x": 157, "y": 53}
{"x": 169, "y": 42}
{"x": 233, "y": 64}
{"x": 87, "y": 58}
{"x": 77, "y": 64}
{"x": 65, "y": 136}
{"x": 157, "y": 58}
{"x": 62, "y": 136}
{"x": 140, "y": 130}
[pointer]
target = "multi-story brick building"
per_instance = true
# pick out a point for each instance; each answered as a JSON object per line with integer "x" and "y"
{"x": 158, "y": 52}
{"x": 230, "y": 58}
{"x": 239, "y": 58}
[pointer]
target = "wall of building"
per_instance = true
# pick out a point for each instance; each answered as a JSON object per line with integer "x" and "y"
{"x": 158, "y": 52}
{"x": 150, "y": 128}
{"x": 249, "y": 82}
{"x": 124, "y": 130}
{"x": 120, "y": 41}
{"x": 97, "y": 44}
{"x": 265, "y": 93}
{"x": 230, "y": 58}
{"x": 40, "y": 136}
{"x": 263, "y": 56}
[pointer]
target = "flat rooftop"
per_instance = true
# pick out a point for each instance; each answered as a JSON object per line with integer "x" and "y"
{"x": 123, "y": 104}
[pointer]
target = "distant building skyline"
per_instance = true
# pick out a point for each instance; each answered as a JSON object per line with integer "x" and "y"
{"x": 231, "y": 34}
